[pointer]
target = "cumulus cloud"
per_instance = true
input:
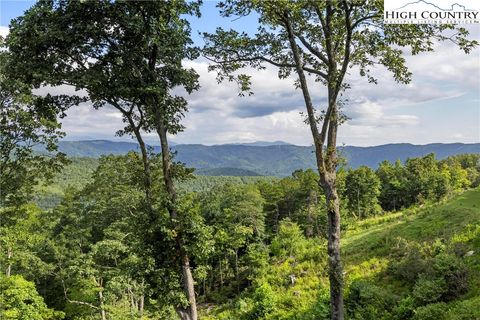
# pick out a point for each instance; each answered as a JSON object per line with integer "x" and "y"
{"x": 383, "y": 113}
{"x": 271, "y": 94}
{"x": 368, "y": 113}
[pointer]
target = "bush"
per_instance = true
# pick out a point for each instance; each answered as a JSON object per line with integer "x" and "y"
{"x": 264, "y": 301}
{"x": 437, "y": 275}
{"x": 465, "y": 310}
{"x": 434, "y": 311}
{"x": 367, "y": 301}
{"x": 455, "y": 274}
{"x": 428, "y": 290}
{"x": 404, "y": 309}
{"x": 410, "y": 260}
{"x": 290, "y": 242}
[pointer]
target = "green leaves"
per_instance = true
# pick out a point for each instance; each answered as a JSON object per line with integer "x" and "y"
{"x": 118, "y": 51}
{"x": 27, "y": 120}
{"x": 362, "y": 188}
{"x": 20, "y": 301}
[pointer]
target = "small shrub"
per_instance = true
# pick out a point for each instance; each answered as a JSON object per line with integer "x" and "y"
{"x": 368, "y": 302}
{"x": 264, "y": 301}
{"x": 404, "y": 309}
{"x": 455, "y": 274}
{"x": 428, "y": 290}
{"x": 465, "y": 310}
{"x": 435, "y": 311}
{"x": 410, "y": 260}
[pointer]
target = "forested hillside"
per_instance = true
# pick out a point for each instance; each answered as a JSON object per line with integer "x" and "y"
{"x": 419, "y": 263}
{"x": 78, "y": 172}
{"x": 268, "y": 160}
{"x": 411, "y": 243}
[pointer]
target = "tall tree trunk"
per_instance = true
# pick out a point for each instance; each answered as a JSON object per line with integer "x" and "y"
{"x": 146, "y": 167}
{"x": 141, "y": 302}
{"x": 9, "y": 265}
{"x": 329, "y": 182}
{"x": 335, "y": 270}
{"x": 147, "y": 179}
{"x": 188, "y": 283}
{"x": 141, "y": 306}
{"x": 326, "y": 165}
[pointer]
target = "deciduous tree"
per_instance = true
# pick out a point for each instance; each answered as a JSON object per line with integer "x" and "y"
{"x": 126, "y": 54}
{"x": 322, "y": 39}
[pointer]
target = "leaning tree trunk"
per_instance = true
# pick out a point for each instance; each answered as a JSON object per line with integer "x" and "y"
{"x": 147, "y": 181}
{"x": 326, "y": 165}
{"x": 188, "y": 283}
{"x": 147, "y": 177}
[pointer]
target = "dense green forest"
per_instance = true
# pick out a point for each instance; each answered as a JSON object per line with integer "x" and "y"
{"x": 257, "y": 246}
{"x": 141, "y": 236}
{"x": 78, "y": 172}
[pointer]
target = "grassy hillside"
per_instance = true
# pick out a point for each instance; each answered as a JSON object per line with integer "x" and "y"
{"x": 374, "y": 237}
{"x": 379, "y": 254}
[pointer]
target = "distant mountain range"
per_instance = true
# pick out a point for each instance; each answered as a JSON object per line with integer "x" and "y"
{"x": 263, "y": 158}
{"x": 261, "y": 143}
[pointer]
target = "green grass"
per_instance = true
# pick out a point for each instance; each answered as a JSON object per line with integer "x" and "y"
{"x": 367, "y": 252}
{"x": 442, "y": 220}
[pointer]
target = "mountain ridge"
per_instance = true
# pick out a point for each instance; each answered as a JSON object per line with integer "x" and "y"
{"x": 277, "y": 160}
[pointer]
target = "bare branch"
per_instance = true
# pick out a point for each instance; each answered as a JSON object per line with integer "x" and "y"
{"x": 312, "y": 49}
{"x": 272, "y": 62}
{"x": 368, "y": 17}
{"x": 65, "y": 290}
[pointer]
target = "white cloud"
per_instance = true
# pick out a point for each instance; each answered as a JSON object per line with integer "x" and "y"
{"x": 372, "y": 114}
{"x": 383, "y": 113}
{"x": 4, "y": 31}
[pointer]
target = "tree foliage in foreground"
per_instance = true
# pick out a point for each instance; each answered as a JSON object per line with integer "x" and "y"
{"x": 20, "y": 301}
{"x": 27, "y": 120}
{"x": 128, "y": 55}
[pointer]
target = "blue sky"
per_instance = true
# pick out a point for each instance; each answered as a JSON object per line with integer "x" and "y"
{"x": 442, "y": 104}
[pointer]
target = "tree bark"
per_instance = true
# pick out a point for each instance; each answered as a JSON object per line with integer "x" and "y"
{"x": 326, "y": 165}
{"x": 141, "y": 301}
{"x": 140, "y": 306}
{"x": 103, "y": 314}
{"x": 188, "y": 283}
{"x": 335, "y": 271}
{"x": 146, "y": 166}
{"x": 9, "y": 265}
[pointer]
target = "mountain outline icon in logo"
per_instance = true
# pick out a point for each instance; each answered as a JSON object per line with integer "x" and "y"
{"x": 435, "y": 6}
